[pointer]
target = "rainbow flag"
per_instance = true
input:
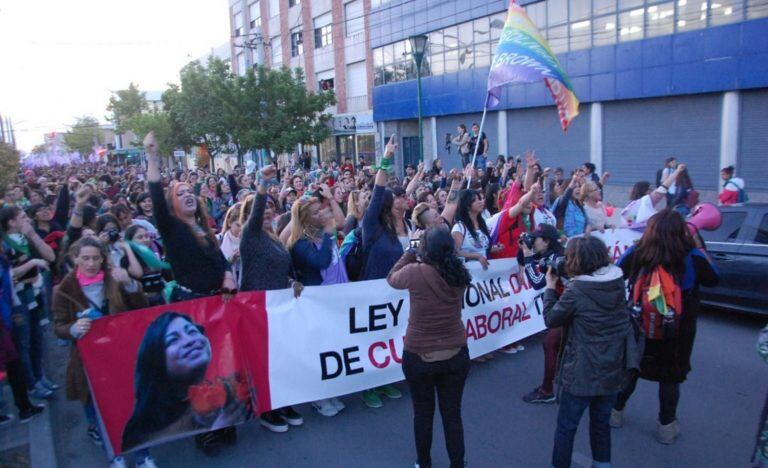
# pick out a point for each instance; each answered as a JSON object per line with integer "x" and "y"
{"x": 523, "y": 56}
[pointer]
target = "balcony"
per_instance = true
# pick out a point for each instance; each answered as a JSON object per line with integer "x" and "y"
{"x": 357, "y": 103}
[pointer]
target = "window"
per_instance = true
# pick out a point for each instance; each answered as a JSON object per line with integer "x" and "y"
{"x": 239, "y": 24}
{"x": 537, "y": 12}
{"x": 378, "y": 66}
{"x": 254, "y": 14}
{"x": 761, "y": 237}
{"x": 353, "y": 17}
{"x": 629, "y": 4}
{"x": 691, "y": 14}
{"x": 277, "y": 51}
{"x": 631, "y": 25}
{"x": 293, "y": 3}
{"x": 558, "y": 39}
{"x": 757, "y": 9}
{"x": 323, "y": 31}
{"x": 557, "y": 12}
{"x": 604, "y": 31}
{"x": 466, "y": 53}
{"x": 325, "y": 85}
{"x": 580, "y": 10}
{"x": 725, "y": 11}
{"x": 729, "y": 228}
{"x": 661, "y": 19}
{"x": 297, "y": 43}
{"x": 600, "y": 7}
{"x": 274, "y": 8}
{"x": 241, "y": 64}
{"x": 580, "y": 35}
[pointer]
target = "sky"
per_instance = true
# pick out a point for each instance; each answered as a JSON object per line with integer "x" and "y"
{"x": 60, "y": 59}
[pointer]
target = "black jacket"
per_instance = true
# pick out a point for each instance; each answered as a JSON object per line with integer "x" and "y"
{"x": 600, "y": 347}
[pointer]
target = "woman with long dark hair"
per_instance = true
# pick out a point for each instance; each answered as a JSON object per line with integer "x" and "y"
{"x": 435, "y": 355}
{"x": 93, "y": 289}
{"x": 470, "y": 233}
{"x": 174, "y": 355}
{"x": 668, "y": 244}
{"x": 193, "y": 252}
{"x": 385, "y": 235}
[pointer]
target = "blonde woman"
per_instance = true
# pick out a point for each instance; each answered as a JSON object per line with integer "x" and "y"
{"x": 356, "y": 205}
{"x": 316, "y": 260}
{"x": 229, "y": 240}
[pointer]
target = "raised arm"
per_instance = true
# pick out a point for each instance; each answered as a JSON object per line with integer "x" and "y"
{"x": 62, "y": 205}
{"x": 452, "y": 203}
{"x": 415, "y": 180}
{"x": 525, "y": 199}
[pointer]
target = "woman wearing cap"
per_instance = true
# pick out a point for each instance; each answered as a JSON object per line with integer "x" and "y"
{"x": 547, "y": 248}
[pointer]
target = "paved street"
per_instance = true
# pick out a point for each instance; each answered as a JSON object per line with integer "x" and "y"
{"x": 718, "y": 413}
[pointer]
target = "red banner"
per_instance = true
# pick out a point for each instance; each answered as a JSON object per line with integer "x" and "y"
{"x": 167, "y": 372}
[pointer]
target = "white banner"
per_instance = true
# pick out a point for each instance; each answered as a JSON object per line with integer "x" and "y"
{"x": 341, "y": 339}
{"x": 617, "y": 240}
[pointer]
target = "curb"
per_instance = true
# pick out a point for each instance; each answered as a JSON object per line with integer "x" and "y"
{"x": 42, "y": 453}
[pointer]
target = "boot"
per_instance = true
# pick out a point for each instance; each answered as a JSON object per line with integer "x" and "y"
{"x": 667, "y": 433}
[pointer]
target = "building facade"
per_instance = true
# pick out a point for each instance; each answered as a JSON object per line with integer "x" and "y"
{"x": 683, "y": 78}
{"x": 329, "y": 40}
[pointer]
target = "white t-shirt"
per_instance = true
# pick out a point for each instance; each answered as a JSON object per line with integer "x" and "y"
{"x": 470, "y": 244}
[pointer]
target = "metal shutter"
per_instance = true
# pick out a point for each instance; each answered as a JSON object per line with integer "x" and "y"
{"x": 638, "y": 135}
{"x": 539, "y": 129}
{"x": 753, "y": 141}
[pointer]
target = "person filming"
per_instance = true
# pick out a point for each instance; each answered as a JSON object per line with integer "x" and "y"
{"x": 599, "y": 346}
{"x": 435, "y": 356}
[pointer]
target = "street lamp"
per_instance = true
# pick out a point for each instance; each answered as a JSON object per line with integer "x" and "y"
{"x": 418, "y": 46}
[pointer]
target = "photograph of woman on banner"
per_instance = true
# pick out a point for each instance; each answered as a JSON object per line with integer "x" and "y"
{"x": 173, "y": 358}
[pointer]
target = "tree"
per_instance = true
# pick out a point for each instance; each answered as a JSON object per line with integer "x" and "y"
{"x": 9, "y": 164}
{"x": 125, "y": 105}
{"x": 198, "y": 106}
{"x": 84, "y": 135}
{"x": 279, "y": 111}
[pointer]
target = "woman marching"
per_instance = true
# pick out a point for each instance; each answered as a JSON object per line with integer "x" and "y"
{"x": 668, "y": 249}
{"x": 93, "y": 289}
{"x": 435, "y": 356}
{"x": 266, "y": 265}
{"x": 196, "y": 260}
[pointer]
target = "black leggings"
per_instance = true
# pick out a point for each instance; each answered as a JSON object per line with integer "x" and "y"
{"x": 15, "y": 372}
{"x": 447, "y": 378}
{"x": 669, "y": 397}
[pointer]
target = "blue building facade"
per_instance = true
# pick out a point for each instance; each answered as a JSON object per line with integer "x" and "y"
{"x": 683, "y": 78}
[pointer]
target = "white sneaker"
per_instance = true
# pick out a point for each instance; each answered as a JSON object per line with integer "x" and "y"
{"x": 118, "y": 462}
{"x": 508, "y": 350}
{"x": 148, "y": 462}
{"x": 325, "y": 407}
{"x": 520, "y": 348}
{"x": 338, "y": 404}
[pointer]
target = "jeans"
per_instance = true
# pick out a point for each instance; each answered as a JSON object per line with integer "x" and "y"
{"x": 28, "y": 338}
{"x": 447, "y": 378}
{"x": 551, "y": 345}
{"x": 568, "y": 416}
{"x": 669, "y": 397}
{"x": 90, "y": 417}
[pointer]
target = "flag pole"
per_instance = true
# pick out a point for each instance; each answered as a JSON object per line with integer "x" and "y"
{"x": 479, "y": 139}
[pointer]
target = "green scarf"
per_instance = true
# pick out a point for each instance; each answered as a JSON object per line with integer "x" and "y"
{"x": 19, "y": 243}
{"x": 148, "y": 257}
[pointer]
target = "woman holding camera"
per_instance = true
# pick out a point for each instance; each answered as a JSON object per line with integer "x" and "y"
{"x": 545, "y": 247}
{"x": 597, "y": 356}
{"x": 435, "y": 356}
{"x": 668, "y": 243}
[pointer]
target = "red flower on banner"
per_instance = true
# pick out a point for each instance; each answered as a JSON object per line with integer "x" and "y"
{"x": 207, "y": 397}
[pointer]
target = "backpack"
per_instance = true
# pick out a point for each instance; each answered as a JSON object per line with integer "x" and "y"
{"x": 353, "y": 254}
{"x": 657, "y": 303}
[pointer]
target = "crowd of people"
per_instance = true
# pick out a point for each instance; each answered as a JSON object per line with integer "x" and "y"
{"x": 116, "y": 238}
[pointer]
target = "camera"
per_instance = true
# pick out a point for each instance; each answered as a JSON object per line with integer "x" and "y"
{"x": 113, "y": 235}
{"x": 527, "y": 239}
{"x": 557, "y": 265}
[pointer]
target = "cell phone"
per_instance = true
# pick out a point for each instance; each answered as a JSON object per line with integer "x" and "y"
{"x": 415, "y": 243}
